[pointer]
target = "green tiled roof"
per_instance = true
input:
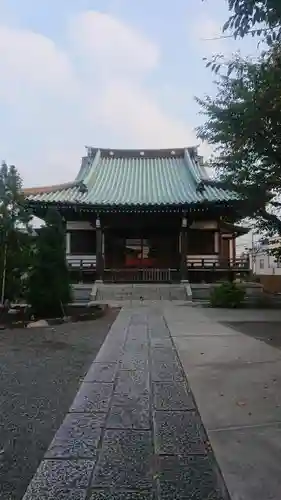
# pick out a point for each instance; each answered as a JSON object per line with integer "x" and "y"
{"x": 136, "y": 178}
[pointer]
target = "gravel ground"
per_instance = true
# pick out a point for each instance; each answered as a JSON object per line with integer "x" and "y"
{"x": 268, "y": 331}
{"x": 40, "y": 372}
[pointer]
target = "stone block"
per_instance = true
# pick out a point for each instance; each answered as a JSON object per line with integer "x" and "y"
{"x": 237, "y": 395}
{"x": 134, "y": 361}
{"x": 101, "y": 372}
{"x": 60, "y": 479}
{"x": 125, "y": 460}
{"x": 134, "y": 415}
{"x": 178, "y": 433}
{"x": 249, "y": 459}
{"x": 165, "y": 365}
{"x": 92, "y": 397}
{"x": 78, "y": 436}
{"x": 172, "y": 396}
{"x": 195, "y": 477}
{"x": 132, "y": 382}
{"x": 112, "y": 494}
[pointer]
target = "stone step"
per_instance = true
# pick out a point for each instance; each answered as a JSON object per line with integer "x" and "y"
{"x": 114, "y": 292}
{"x": 81, "y": 294}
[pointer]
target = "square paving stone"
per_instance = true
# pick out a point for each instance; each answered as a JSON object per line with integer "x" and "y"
{"x": 158, "y": 331}
{"x": 164, "y": 354}
{"x": 136, "y": 346}
{"x": 92, "y": 397}
{"x": 139, "y": 318}
{"x": 181, "y": 491}
{"x": 132, "y": 382}
{"x": 157, "y": 327}
{"x": 165, "y": 365}
{"x": 172, "y": 396}
{"x": 121, "y": 495}
{"x": 224, "y": 349}
{"x": 136, "y": 331}
{"x": 78, "y": 436}
{"x": 60, "y": 479}
{"x": 250, "y": 459}
{"x": 137, "y": 337}
{"x": 235, "y": 395}
{"x": 166, "y": 371}
{"x": 133, "y": 400}
{"x": 178, "y": 432}
{"x": 132, "y": 415}
{"x": 135, "y": 360}
{"x": 126, "y": 460}
{"x": 195, "y": 477}
{"x": 137, "y": 334}
{"x": 101, "y": 372}
{"x": 160, "y": 343}
{"x": 111, "y": 351}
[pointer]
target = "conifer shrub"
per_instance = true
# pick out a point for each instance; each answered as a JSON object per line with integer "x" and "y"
{"x": 49, "y": 283}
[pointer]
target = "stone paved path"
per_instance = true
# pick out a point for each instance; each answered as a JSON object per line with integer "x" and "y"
{"x": 133, "y": 431}
{"x": 236, "y": 381}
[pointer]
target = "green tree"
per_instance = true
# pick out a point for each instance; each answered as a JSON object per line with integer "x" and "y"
{"x": 15, "y": 233}
{"x": 243, "y": 123}
{"x": 261, "y": 17}
{"x": 49, "y": 284}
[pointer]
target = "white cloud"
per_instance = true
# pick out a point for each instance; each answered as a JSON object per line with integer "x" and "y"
{"x": 113, "y": 45}
{"x": 32, "y": 61}
{"x": 128, "y": 107}
{"x": 91, "y": 90}
{"x": 206, "y": 34}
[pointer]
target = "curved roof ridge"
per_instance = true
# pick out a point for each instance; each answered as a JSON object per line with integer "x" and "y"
{"x": 50, "y": 188}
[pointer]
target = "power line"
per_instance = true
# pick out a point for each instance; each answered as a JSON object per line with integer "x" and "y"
{"x": 222, "y": 37}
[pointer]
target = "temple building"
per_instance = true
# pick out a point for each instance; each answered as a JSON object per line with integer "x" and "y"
{"x": 145, "y": 216}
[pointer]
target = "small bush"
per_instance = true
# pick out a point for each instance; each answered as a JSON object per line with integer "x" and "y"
{"x": 227, "y": 294}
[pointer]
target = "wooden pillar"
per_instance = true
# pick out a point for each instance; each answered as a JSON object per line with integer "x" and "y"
{"x": 231, "y": 253}
{"x": 220, "y": 249}
{"x": 99, "y": 256}
{"x": 218, "y": 243}
{"x": 183, "y": 240}
{"x": 67, "y": 243}
{"x": 234, "y": 248}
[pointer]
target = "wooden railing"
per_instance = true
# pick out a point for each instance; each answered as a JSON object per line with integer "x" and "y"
{"x": 152, "y": 273}
{"x": 146, "y": 275}
{"x": 218, "y": 264}
{"x": 84, "y": 270}
{"x": 81, "y": 262}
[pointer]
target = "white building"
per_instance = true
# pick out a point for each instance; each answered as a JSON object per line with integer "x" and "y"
{"x": 261, "y": 260}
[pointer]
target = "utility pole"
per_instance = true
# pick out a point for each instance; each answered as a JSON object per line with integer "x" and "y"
{"x": 253, "y": 255}
{"x": 3, "y": 284}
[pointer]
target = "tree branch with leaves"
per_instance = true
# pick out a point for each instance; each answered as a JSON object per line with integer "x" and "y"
{"x": 255, "y": 17}
{"x": 243, "y": 123}
{"x": 15, "y": 232}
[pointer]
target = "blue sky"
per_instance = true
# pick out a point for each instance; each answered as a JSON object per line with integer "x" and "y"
{"x": 111, "y": 73}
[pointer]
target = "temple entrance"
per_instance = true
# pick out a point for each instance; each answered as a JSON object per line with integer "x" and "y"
{"x": 148, "y": 254}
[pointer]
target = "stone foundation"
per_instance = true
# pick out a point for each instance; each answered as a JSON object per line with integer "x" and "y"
{"x": 201, "y": 291}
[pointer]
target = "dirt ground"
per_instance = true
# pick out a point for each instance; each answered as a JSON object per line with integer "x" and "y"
{"x": 40, "y": 373}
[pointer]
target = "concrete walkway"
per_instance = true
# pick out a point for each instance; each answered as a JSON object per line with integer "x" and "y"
{"x": 236, "y": 383}
{"x": 133, "y": 431}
